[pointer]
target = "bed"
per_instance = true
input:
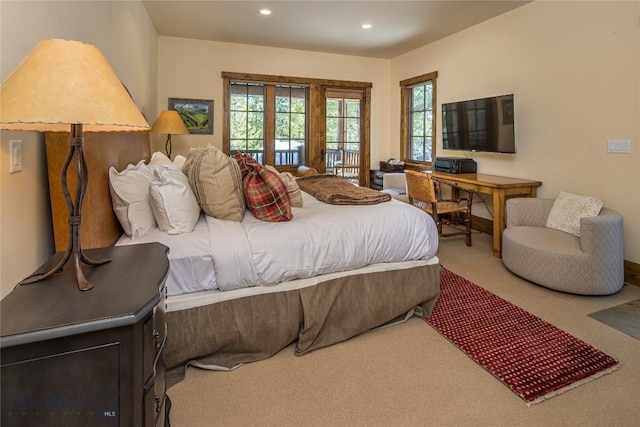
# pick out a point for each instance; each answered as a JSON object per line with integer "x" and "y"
{"x": 239, "y": 292}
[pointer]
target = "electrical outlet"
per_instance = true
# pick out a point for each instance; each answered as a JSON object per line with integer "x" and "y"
{"x": 15, "y": 156}
{"x": 619, "y": 146}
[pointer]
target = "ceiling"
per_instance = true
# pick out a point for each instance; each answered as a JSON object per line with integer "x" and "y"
{"x": 324, "y": 26}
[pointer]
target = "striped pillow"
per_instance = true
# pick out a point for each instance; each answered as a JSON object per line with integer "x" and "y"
{"x": 216, "y": 182}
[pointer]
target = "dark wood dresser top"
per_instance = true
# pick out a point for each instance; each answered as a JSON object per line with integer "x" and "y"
{"x": 54, "y": 307}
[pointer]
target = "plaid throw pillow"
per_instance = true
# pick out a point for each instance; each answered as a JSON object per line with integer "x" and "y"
{"x": 295, "y": 194}
{"x": 265, "y": 193}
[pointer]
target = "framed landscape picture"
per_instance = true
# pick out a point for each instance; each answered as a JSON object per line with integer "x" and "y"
{"x": 197, "y": 114}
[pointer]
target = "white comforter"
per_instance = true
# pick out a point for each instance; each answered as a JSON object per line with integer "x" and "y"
{"x": 320, "y": 239}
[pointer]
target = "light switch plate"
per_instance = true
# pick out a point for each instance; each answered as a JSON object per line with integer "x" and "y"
{"x": 619, "y": 146}
{"x": 15, "y": 156}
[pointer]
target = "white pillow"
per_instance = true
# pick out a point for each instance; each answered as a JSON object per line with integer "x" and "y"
{"x": 130, "y": 199}
{"x": 179, "y": 161}
{"x": 173, "y": 203}
{"x": 567, "y": 210}
{"x": 158, "y": 158}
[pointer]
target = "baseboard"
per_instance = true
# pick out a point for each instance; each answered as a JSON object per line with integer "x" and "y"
{"x": 631, "y": 269}
{"x": 631, "y": 273}
{"x": 483, "y": 225}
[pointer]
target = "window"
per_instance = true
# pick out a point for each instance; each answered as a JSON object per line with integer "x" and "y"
{"x": 246, "y": 109}
{"x": 291, "y": 125}
{"x": 417, "y": 131}
{"x": 291, "y": 121}
{"x": 276, "y": 139}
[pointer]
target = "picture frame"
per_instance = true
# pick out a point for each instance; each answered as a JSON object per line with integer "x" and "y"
{"x": 197, "y": 114}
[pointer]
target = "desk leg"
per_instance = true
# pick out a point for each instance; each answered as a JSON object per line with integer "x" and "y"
{"x": 498, "y": 221}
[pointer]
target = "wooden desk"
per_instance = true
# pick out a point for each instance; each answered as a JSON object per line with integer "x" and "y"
{"x": 499, "y": 187}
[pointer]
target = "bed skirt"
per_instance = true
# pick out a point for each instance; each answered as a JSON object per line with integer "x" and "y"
{"x": 228, "y": 333}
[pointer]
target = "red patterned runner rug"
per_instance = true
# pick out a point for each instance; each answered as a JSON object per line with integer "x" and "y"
{"x": 535, "y": 359}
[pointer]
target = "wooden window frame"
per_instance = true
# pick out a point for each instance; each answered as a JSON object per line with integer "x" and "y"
{"x": 316, "y": 114}
{"x": 405, "y": 117}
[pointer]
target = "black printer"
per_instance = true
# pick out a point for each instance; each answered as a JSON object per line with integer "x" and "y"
{"x": 455, "y": 165}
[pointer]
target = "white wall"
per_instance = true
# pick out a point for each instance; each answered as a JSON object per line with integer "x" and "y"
{"x": 123, "y": 31}
{"x": 190, "y": 68}
{"x": 574, "y": 68}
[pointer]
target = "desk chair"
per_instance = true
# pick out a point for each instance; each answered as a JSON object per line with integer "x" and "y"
{"x": 454, "y": 213}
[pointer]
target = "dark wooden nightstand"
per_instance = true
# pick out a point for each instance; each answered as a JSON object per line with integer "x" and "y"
{"x": 95, "y": 358}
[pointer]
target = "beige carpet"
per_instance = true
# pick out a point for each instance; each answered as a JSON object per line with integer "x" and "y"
{"x": 408, "y": 375}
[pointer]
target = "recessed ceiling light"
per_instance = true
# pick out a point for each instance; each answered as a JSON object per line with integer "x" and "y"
{"x": 366, "y": 26}
{"x": 265, "y": 12}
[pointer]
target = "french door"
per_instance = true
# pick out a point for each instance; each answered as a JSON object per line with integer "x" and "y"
{"x": 292, "y": 121}
{"x": 346, "y": 131}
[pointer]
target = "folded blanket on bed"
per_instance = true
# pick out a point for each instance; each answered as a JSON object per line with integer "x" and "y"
{"x": 336, "y": 191}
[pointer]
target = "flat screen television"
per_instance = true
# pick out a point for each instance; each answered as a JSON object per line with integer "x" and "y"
{"x": 485, "y": 124}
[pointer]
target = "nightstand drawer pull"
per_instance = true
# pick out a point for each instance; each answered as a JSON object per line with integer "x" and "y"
{"x": 149, "y": 383}
{"x": 156, "y": 337}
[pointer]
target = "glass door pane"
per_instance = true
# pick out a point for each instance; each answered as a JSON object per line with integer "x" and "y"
{"x": 343, "y": 135}
{"x": 246, "y": 112}
{"x": 290, "y": 125}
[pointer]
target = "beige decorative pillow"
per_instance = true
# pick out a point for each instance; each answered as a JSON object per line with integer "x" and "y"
{"x": 216, "y": 182}
{"x": 567, "y": 210}
{"x": 295, "y": 194}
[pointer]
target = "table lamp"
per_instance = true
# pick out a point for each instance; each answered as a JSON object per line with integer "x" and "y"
{"x": 169, "y": 122}
{"x": 66, "y": 85}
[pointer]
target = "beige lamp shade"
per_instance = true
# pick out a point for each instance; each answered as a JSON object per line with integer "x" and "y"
{"x": 169, "y": 122}
{"x": 64, "y": 82}
{"x": 68, "y": 86}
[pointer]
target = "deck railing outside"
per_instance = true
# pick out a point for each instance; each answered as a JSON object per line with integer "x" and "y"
{"x": 344, "y": 163}
{"x": 295, "y": 157}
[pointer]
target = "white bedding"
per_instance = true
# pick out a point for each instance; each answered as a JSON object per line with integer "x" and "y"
{"x": 198, "y": 299}
{"x": 320, "y": 239}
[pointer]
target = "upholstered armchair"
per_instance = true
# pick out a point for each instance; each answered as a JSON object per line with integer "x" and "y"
{"x": 589, "y": 264}
{"x": 395, "y": 184}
